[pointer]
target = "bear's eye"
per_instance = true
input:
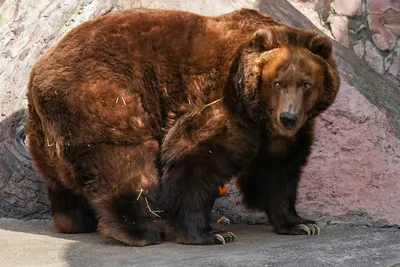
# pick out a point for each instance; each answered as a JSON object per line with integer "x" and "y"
{"x": 306, "y": 86}
{"x": 277, "y": 84}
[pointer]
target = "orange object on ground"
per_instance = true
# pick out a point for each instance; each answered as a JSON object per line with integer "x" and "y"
{"x": 223, "y": 220}
{"x": 222, "y": 190}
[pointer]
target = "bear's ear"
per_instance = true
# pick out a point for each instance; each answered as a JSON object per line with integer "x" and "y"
{"x": 321, "y": 45}
{"x": 262, "y": 40}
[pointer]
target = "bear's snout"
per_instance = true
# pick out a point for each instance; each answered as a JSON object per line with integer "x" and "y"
{"x": 288, "y": 120}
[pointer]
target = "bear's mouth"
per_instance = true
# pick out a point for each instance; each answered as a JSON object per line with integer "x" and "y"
{"x": 288, "y": 128}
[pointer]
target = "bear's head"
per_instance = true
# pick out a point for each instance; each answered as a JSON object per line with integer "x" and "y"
{"x": 287, "y": 77}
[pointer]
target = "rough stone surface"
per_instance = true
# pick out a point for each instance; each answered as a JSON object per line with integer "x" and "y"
{"x": 358, "y": 167}
{"x": 394, "y": 61}
{"x": 307, "y": 8}
{"x": 376, "y": 21}
{"x": 346, "y": 7}
{"x": 35, "y": 244}
{"x": 359, "y": 49}
{"x": 373, "y": 57}
{"x": 358, "y": 31}
{"x": 339, "y": 28}
{"x": 354, "y": 131}
{"x": 323, "y": 8}
{"x": 22, "y": 194}
{"x": 384, "y": 22}
{"x": 377, "y": 7}
{"x": 381, "y": 36}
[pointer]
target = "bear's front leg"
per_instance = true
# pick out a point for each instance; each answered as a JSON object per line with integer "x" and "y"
{"x": 281, "y": 206}
{"x": 197, "y": 158}
{"x": 188, "y": 192}
{"x": 270, "y": 185}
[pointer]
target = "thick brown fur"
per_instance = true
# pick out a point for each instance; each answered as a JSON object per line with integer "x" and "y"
{"x": 143, "y": 109}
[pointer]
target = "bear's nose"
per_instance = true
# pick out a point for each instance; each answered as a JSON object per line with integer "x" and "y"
{"x": 288, "y": 120}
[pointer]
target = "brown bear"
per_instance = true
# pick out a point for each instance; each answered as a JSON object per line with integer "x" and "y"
{"x": 144, "y": 113}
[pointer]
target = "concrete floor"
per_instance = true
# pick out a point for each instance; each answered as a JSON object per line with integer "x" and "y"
{"x": 36, "y": 244}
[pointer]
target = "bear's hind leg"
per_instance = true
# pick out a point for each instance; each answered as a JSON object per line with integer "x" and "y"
{"x": 71, "y": 212}
{"x": 122, "y": 187}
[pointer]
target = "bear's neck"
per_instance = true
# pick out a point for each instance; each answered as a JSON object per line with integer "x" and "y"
{"x": 238, "y": 96}
{"x": 279, "y": 145}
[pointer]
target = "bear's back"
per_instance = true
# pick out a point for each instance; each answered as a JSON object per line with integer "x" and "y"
{"x": 165, "y": 48}
{"x": 146, "y": 35}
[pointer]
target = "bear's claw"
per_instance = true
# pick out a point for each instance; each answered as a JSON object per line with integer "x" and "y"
{"x": 310, "y": 229}
{"x": 225, "y": 237}
{"x": 220, "y": 238}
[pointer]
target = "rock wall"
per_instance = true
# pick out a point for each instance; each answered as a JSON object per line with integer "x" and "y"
{"x": 354, "y": 168}
{"x": 371, "y": 28}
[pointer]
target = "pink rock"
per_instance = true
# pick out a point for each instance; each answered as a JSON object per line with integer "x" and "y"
{"x": 359, "y": 161}
{"x": 395, "y": 4}
{"x": 384, "y": 22}
{"x": 346, "y": 7}
{"x": 373, "y": 57}
{"x": 378, "y": 6}
{"x": 381, "y": 43}
{"x": 381, "y": 35}
{"x": 394, "y": 68}
{"x": 339, "y": 27}
{"x": 391, "y": 20}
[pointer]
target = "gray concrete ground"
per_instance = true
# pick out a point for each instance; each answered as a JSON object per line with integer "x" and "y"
{"x": 36, "y": 244}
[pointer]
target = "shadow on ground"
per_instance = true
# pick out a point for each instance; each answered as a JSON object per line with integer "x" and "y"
{"x": 35, "y": 243}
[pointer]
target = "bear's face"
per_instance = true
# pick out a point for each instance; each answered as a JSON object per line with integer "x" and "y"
{"x": 287, "y": 77}
{"x": 292, "y": 81}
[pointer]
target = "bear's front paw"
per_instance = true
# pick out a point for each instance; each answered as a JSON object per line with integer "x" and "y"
{"x": 225, "y": 237}
{"x": 211, "y": 238}
{"x": 300, "y": 229}
{"x": 310, "y": 229}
